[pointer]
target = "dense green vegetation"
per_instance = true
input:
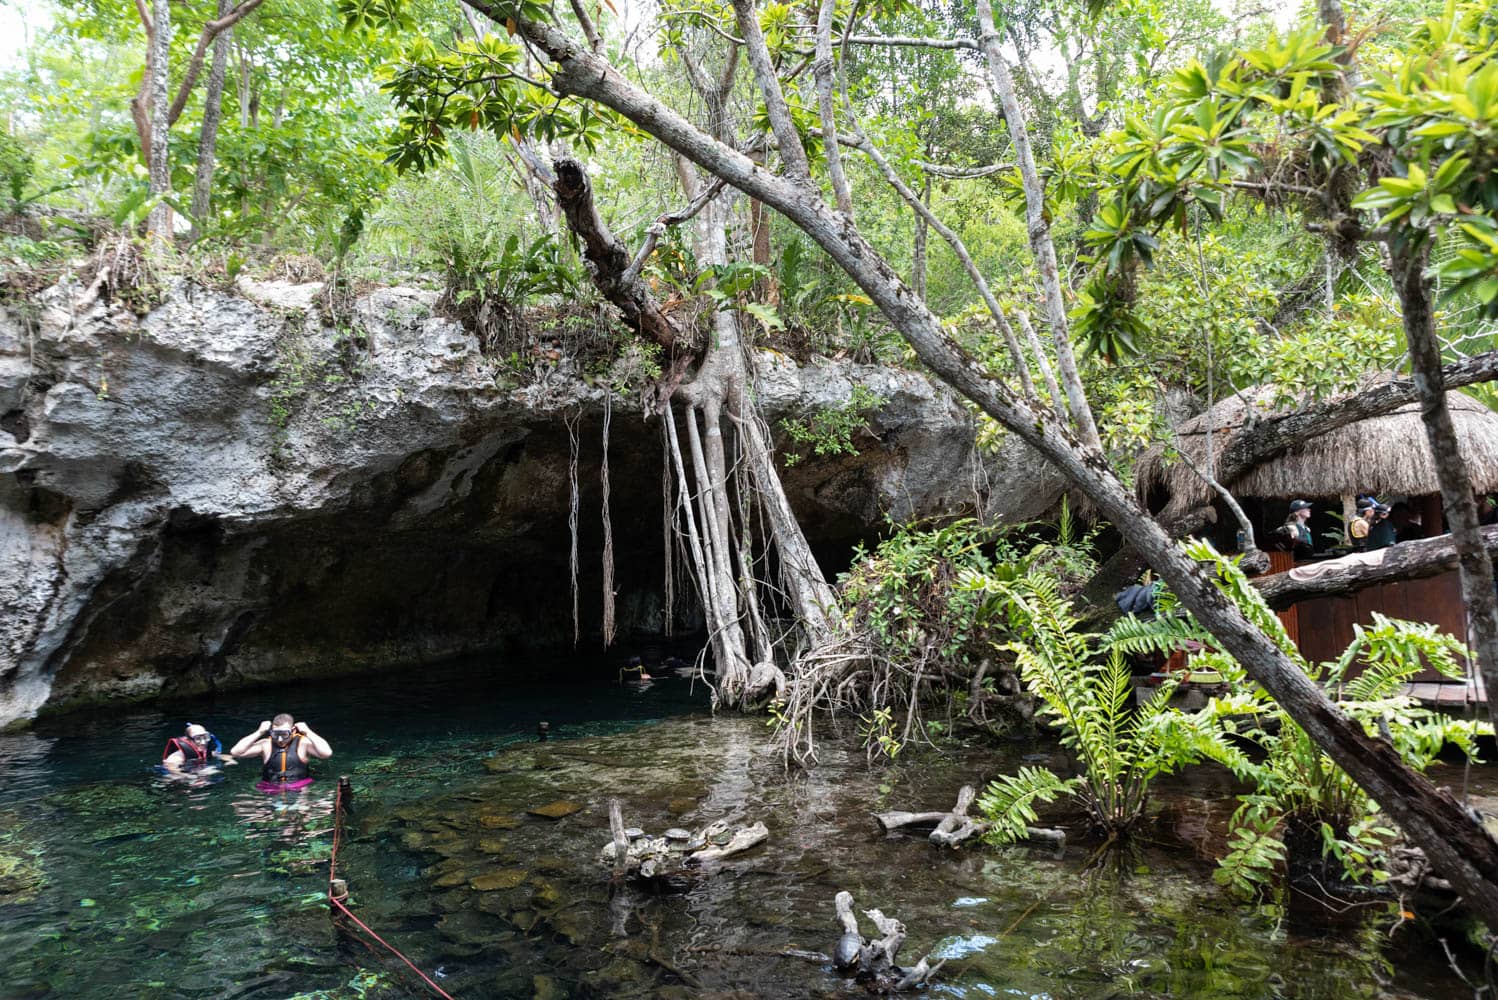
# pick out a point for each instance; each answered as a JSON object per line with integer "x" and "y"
{"x": 1228, "y": 199}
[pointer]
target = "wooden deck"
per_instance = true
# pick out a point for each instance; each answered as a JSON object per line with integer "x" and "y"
{"x": 1449, "y": 695}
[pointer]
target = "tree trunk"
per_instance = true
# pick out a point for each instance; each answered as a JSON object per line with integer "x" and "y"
{"x": 918, "y": 252}
{"x": 1330, "y": 577}
{"x": 213, "y": 116}
{"x": 1459, "y": 505}
{"x": 159, "y": 222}
{"x": 1464, "y": 852}
{"x": 717, "y": 407}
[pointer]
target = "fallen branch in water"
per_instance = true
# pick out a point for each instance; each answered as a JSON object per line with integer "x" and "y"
{"x": 873, "y": 962}
{"x": 955, "y": 826}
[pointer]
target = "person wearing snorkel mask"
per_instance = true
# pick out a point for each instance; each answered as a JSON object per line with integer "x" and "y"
{"x": 284, "y": 747}
{"x": 196, "y": 748}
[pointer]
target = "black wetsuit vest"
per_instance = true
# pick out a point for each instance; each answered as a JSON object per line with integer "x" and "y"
{"x": 284, "y": 764}
{"x": 192, "y": 754}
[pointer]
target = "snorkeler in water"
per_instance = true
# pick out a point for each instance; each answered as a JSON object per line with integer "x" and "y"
{"x": 284, "y": 746}
{"x": 194, "y": 750}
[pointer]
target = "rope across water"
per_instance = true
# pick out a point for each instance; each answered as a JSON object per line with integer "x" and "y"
{"x": 337, "y": 902}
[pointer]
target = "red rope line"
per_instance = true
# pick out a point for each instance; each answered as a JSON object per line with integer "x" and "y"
{"x": 435, "y": 988}
{"x": 338, "y": 903}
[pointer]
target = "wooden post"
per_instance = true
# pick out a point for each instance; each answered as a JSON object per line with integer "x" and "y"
{"x": 621, "y": 841}
{"x": 345, "y": 794}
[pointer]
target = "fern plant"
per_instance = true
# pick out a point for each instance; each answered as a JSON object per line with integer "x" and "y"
{"x": 1302, "y": 807}
{"x": 1087, "y": 693}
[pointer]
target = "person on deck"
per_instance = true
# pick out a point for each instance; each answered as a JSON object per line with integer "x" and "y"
{"x": 1295, "y": 533}
{"x": 1357, "y": 528}
{"x": 1380, "y": 528}
{"x": 1408, "y": 525}
{"x": 284, "y": 746}
{"x": 195, "y": 749}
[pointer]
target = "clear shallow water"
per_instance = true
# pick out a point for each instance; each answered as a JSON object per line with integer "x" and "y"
{"x": 115, "y": 883}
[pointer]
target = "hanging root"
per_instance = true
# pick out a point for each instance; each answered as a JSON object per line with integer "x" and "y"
{"x": 608, "y": 529}
{"x": 572, "y": 441}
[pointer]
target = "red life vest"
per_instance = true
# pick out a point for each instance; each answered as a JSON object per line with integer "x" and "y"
{"x": 192, "y": 754}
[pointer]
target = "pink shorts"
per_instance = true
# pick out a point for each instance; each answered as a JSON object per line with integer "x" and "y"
{"x": 272, "y": 787}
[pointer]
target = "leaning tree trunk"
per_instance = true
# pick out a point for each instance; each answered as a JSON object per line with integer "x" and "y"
{"x": 213, "y": 116}
{"x": 159, "y": 222}
{"x": 1436, "y": 822}
{"x": 1457, "y": 501}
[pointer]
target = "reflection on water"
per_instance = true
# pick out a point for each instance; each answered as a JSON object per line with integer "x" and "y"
{"x": 117, "y": 882}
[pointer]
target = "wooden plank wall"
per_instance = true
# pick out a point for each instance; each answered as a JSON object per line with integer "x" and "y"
{"x": 1325, "y": 623}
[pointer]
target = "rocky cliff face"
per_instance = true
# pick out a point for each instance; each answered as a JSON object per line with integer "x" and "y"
{"x": 227, "y": 490}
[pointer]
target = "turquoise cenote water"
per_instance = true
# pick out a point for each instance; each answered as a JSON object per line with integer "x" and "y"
{"x": 115, "y": 882}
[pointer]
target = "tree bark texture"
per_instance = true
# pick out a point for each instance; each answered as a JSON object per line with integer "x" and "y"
{"x": 213, "y": 116}
{"x": 159, "y": 222}
{"x": 1466, "y": 854}
{"x": 1458, "y": 504}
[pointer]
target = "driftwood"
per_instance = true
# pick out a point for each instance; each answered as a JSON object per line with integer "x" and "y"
{"x": 874, "y": 962}
{"x": 742, "y": 839}
{"x": 955, "y": 826}
{"x": 621, "y": 839}
{"x": 673, "y": 852}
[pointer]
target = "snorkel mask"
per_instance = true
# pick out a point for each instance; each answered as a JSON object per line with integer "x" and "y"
{"x": 281, "y": 737}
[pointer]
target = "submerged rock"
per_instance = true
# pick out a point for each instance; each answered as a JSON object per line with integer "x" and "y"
{"x": 555, "y": 810}
{"x": 505, "y": 878}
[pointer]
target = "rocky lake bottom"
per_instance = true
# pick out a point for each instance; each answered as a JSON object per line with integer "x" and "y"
{"x": 474, "y": 849}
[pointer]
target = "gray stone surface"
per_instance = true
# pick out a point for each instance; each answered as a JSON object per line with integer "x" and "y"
{"x": 229, "y": 490}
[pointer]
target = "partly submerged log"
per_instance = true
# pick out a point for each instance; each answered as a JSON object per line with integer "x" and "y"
{"x": 955, "y": 826}
{"x": 675, "y": 851}
{"x": 874, "y": 962}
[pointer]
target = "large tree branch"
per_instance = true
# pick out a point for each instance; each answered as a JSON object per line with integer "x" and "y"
{"x": 211, "y": 30}
{"x": 1349, "y": 574}
{"x": 974, "y": 273}
{"x": 1039, "y": 228}
{"x": 821, "y": 71}
{"x": 1456, "y": 844}
{"x": 792, "y": 153}
{"x": 614, "y": 272}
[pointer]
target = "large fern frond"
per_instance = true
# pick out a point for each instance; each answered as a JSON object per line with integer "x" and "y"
{"x": 1008, "y": 803}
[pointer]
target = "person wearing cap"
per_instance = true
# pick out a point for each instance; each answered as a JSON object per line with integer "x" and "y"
{"x": 1380, "y": 529}
{"x": 195, "y": 749}
{"x": 1296, "y": 530}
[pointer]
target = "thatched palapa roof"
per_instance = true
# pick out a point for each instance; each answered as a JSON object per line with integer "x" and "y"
{"x": 1385, "y": 455}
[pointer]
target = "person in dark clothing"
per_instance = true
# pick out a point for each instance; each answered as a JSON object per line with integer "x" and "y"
{"x": 1408, "y": 525}
{"x": 284, "y": 747}
{"x": 1295, "y": 534}
{"x": 1138, "y": 599}
{"x": 1380, "y": 529}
